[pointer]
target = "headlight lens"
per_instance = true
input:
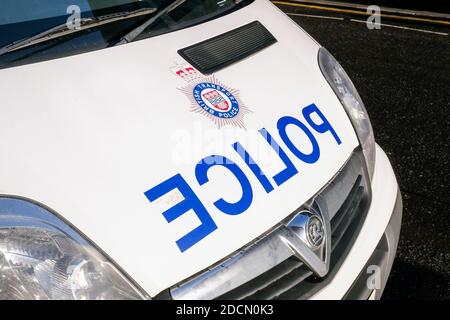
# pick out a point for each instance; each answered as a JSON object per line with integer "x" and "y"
{"x": 352, "y": 103}
{"x": 41, "y": 257}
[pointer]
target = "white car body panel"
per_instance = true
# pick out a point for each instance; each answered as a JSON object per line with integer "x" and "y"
{"x": 87, "y": 135}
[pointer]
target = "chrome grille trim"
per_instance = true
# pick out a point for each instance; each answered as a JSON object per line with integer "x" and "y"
{"x": 268, "y": 269}
{"x": 255, "y": 286}
{"x": 269, "y": 252}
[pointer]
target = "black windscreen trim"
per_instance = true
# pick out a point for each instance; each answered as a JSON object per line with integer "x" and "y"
{"x": 223, "y": 50}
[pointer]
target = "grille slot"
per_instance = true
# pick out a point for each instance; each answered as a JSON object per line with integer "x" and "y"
{"x": 282, "y": 286}
{"x": 271, "y": 283}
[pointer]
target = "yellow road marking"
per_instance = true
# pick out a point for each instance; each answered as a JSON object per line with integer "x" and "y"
{"x": 404, "y": 28}
{"x": 312, "y": 16}
{"x": 360, "y": 12}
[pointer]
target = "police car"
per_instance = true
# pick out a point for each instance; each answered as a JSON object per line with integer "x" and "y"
{"x": 184, "y": 150}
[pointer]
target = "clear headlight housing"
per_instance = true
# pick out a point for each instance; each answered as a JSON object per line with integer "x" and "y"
{"x": 42, "y": 257}
{"x": 352, "y": 103}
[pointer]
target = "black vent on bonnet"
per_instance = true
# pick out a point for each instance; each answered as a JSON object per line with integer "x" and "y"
{"x": 219, "y": 52}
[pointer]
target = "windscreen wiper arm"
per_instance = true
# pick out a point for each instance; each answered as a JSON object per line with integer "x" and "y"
{"x": 133, "y": 34}
{"x": 65, "y": 29}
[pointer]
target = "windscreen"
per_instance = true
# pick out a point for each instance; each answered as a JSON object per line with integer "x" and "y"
{"x": 23, "y": 19}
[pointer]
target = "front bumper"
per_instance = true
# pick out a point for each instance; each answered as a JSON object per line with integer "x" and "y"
{"x": 365, "y": 271}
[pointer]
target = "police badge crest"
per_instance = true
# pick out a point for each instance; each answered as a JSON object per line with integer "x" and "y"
{"x": 212, "y": 98}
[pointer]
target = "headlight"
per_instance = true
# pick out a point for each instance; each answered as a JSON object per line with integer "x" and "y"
{"x": 352, "y": 103}
{"x": 42, "y": 257}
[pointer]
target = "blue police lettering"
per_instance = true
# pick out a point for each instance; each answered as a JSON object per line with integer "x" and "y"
{"x": 192, "y": 202}
{"x": 324, "y": 126}
{"x": 256, "y": 169}
{"x": 289, "y": 171}
{"x": 282, "y": 125}
{"x": 201, "y": 173}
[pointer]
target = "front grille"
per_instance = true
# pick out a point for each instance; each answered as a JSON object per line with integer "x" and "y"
{"x": 273, "y": 283}
{"x": 346, "y": 199}
{"x": 291, "y": 279}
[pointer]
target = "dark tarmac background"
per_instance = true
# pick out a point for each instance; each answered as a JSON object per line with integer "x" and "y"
{"x": 403, "y": 77}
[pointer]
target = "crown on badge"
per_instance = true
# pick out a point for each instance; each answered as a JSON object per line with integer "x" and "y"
{"x": 186, "y": 72}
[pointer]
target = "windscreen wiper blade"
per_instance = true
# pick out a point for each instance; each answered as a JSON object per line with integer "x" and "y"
{"x": 65, "y": 29}
{"x": 133, "y": 34}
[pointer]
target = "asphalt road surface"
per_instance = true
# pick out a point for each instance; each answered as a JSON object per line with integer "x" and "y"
{"x": 403, "y": 77}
